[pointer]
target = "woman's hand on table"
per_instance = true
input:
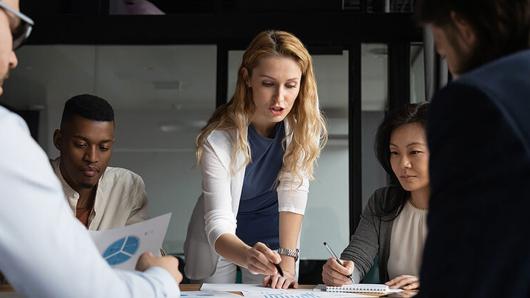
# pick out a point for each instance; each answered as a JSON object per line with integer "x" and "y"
{"x": 276, "y": 281}
{"x": 405, "y": 282}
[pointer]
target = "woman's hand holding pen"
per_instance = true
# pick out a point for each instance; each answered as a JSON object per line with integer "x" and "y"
{"x": 278, "y": 281}
{"x": 285, "y": 278}
{"x": 260, "y": 259}
{"x": 335, "y": 274}
{"x": 405, "y": 282}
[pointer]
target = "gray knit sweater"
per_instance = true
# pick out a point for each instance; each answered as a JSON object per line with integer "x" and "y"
{"x": 372, "y": 236}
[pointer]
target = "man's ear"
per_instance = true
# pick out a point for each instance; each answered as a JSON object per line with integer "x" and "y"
{"x": 466, "y": 31}
{"x": 57, "y": 139}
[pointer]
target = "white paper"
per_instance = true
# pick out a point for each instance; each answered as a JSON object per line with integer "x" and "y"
{"x": 259, "y": 291}
{"x": 232, "y": 287}
{"x": 202, "y": 294}
{"x": 285, "y": 294}
{"x": 121, "y": 247}
{"x": 248, "y": 289}
{"x": 299, "y": 293}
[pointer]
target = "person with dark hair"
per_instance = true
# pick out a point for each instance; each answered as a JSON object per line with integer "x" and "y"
{"x": 101, "y": 197}
{"x": 393, "y": 223}
{"x": 44, "y": 251}
{"x": 479, "y": 138}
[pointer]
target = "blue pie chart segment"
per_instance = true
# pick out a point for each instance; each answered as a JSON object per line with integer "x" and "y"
{"x": 121, "y": 250}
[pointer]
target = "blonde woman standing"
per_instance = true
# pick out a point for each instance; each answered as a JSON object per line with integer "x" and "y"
{"x": 256, "y": 156}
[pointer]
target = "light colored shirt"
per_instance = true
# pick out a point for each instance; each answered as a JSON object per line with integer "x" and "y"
{"x": 120, "y": 198}
{"x": 406, "y": 244}
{"x": 44, "y": 250}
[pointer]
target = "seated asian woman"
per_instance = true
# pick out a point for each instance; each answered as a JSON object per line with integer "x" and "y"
{"x": 393, "y": 223}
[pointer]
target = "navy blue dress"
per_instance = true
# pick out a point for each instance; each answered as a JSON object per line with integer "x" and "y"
{"x": 258, "y": 216}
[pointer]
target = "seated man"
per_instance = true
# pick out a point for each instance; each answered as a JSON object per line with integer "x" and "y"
{"x": 101, "y": 197}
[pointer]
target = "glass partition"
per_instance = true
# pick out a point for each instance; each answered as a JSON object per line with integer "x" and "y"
{"x": 374, "y": 101}
{"x": 162, "y": 96}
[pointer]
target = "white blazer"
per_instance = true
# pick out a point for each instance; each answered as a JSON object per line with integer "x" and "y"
{"x": 216, "y": 209}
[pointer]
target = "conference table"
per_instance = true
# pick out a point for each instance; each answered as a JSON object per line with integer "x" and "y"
{"x": 6, "y": 289}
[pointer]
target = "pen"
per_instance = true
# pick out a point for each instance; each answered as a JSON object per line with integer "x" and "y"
{"x": 332, "y": 253}
{"x": 280, "y": 271}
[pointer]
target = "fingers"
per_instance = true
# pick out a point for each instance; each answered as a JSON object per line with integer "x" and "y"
{"x": 349, "y": 265}
{"x": 394, "y": 281}
{"x": 273, "y": 256}
{"x": 407, "y": 282}
{"x": 345, "y": 269}
{"x": 169, "y": 263}
{"x": 144, "y": 261}
{"x": 286, "y": 283}
{"x": 334, "y": 274}
{"x": 262, "y": 260}
{"x": 279, "y": 282}
{"x": 256, "y": 267}
{"x": 275, "y": 280}
{"x": 412, "y": 286}
{"x": 408, "y": 293}
{"x": 266, "y": 280}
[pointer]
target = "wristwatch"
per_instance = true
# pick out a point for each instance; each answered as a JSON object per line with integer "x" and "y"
{"x": 295, "y": 253}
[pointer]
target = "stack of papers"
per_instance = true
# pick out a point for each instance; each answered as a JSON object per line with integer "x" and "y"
{"x": 363, "y": 288}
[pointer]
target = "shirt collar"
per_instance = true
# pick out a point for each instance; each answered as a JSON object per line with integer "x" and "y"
{"x": 70, "y": 193}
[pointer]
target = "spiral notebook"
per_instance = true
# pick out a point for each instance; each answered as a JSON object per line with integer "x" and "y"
{"x": 363, "y": 288}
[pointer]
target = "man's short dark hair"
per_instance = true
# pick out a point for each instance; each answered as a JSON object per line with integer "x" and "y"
{"x": 502, "y": 26}
{"x": 87, "y": 106}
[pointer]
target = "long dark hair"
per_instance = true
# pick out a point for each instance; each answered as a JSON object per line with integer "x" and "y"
{"x": 396, "y": 199}
{"x": 502, "y": 26}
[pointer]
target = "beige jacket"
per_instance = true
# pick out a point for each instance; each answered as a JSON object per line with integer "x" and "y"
{"x": 120, "y": 198}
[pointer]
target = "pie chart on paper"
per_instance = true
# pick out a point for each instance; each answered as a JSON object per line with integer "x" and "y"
{"x": 121, "y": 250}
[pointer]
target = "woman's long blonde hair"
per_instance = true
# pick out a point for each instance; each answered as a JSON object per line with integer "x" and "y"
{"x": 308, "y": 129}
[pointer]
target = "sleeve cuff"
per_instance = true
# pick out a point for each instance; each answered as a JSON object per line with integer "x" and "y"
{"x": 292, "y": 201}
{"x": 292, "y": 209}
{"x": 171, "y": 287}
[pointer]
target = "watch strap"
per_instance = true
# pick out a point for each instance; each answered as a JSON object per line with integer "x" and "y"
{"x": 295, "y": 253}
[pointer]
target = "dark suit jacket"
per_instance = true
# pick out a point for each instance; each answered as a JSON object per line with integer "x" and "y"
{"x": 479, "y": 215}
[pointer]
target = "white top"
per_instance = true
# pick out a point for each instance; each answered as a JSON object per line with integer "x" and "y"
{"x": 45, "y": 251}
{"x": 406, "y": 243}
{"x": 216, "y": 210}
{"x": 120, "y": 198}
